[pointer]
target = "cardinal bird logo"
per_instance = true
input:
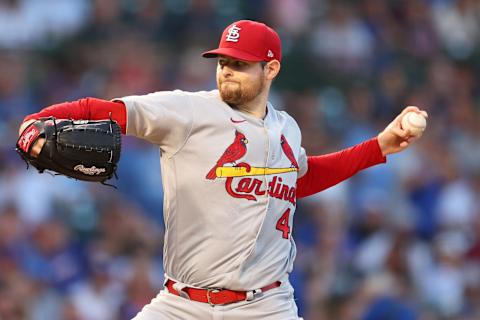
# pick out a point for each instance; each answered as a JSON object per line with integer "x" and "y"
{"x": 234, "y": 152}
{"x": 288, "y": 151}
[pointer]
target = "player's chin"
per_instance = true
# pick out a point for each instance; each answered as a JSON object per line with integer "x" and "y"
{"x": 230, "y": 96}
{"x": 231, "y": 99}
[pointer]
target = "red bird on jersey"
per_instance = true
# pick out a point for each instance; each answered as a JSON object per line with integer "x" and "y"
{"x": 288, "y": 151}
{"x": 234, "y": 152}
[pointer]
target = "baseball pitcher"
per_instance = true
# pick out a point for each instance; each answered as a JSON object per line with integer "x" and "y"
{"x": 233, "y": 168}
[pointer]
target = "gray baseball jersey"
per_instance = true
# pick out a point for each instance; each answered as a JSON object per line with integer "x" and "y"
{"x": 229, "y": 183}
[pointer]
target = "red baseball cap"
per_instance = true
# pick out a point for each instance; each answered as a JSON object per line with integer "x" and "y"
{"x": 250, "y": 41}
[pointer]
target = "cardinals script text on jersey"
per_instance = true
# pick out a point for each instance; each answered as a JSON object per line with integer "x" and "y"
{"x": 248, "y": 188}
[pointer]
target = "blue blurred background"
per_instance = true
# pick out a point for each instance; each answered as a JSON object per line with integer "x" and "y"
{"x": 398, "y": 241}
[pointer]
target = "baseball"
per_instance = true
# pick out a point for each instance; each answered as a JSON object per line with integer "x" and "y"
{"x": 414, "y": 122}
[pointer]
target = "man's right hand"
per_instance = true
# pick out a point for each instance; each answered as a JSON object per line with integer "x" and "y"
{"x": 38, "y": 145}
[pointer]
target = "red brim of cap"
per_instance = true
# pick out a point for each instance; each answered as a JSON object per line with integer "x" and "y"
{"x": 233, "y": 53}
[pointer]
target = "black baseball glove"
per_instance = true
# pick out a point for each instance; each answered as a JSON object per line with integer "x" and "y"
{"x": 81, "y": 149}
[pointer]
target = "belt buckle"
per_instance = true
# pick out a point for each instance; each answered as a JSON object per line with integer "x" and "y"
{"x": 209, "y": 299}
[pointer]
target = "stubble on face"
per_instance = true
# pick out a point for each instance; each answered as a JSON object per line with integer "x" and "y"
{"x": 239, "y": 93}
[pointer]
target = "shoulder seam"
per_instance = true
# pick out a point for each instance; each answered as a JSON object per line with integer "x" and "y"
{"x": 189, "y": 131}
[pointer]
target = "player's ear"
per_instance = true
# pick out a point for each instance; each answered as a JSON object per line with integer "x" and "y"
{"x": 271, "y": 69}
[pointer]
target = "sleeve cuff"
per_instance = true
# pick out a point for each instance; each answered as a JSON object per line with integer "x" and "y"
{"x": 379, "y": 157}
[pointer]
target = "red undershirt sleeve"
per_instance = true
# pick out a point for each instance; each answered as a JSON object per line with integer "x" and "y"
{"x": 327, "y": 170}
{"x": 86, "y": 109}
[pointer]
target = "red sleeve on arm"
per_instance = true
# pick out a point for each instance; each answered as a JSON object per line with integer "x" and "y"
{"x": 327, "y": 170}
{"x": 86, "y": 109}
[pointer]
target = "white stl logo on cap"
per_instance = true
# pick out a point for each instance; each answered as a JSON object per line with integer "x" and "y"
{"x": 233, "y": 34}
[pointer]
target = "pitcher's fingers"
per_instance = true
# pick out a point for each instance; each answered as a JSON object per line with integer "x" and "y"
{"x": 412, "y": 139}
{"x": 37, "y": 147}
{"x": 401, "y": 133}
{"x": 405, "y": 111}
{"x": 410, "y": 108}
{"x": 421, "y": 112}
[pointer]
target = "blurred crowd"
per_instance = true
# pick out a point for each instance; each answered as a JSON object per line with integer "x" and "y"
{"x": 397, "y": 241}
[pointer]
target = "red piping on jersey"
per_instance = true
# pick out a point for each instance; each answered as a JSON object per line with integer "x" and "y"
{"x": 86, "y": 109}
{"x": 327, "y": 170}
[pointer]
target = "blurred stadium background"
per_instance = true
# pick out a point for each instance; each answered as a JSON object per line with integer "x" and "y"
{"x": 398, "y": 241}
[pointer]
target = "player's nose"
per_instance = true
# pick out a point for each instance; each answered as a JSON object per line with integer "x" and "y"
{"x": 226, "y": 71}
